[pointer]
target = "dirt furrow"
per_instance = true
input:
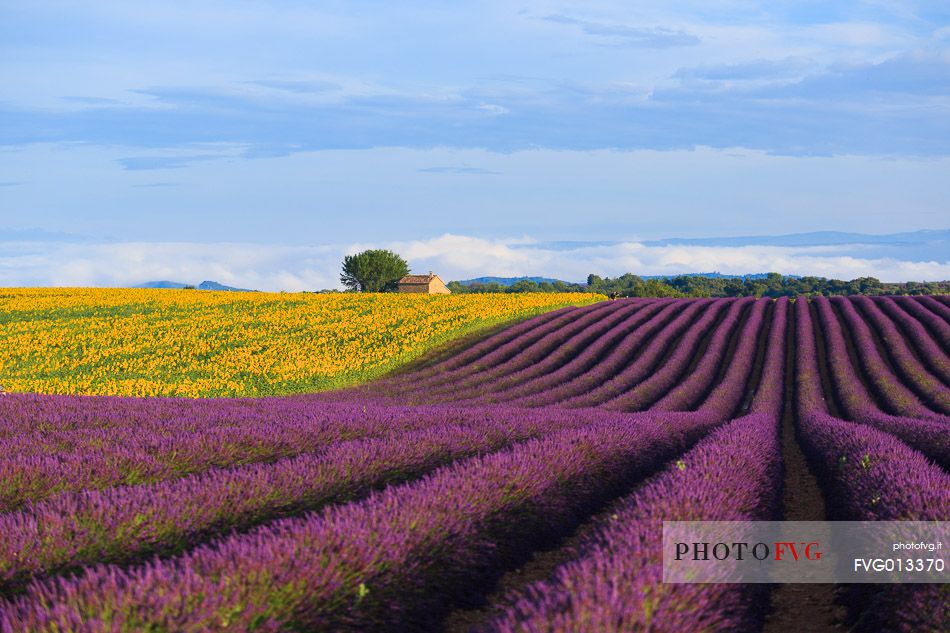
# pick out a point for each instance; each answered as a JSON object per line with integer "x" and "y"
{"x": 802, "y": 500}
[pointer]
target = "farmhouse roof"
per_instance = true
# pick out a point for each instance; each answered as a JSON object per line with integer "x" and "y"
{"x": 417, "y": 279}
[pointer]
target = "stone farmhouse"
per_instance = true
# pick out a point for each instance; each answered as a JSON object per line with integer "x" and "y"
{"x": 423, "y": 284}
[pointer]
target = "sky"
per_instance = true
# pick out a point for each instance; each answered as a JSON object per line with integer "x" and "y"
{"x": 256, "y": 143}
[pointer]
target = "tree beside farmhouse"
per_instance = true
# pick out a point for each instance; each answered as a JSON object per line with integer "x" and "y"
{"x": 373, "y": 271}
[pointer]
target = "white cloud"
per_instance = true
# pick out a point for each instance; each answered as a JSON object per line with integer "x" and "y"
{"x": 263, "y": 267}
{"x": 293, "y": 268}
{"x": 493, "y": 109}
{"x": 458, "y": 257}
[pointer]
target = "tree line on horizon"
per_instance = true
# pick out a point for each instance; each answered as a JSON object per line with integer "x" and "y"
{"x": 770, "y": 285}
{"x": 380, "y": 271}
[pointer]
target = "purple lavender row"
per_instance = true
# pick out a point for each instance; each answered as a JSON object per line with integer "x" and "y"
{"x": 611, "y": 584}
{"x": 584, "y": 373}
{"x": 724, "y": 401}
{"x": 495, "y": 341}
{"x": 128, "y": 457}
{"x": 769, "y": 397}
{"x": 936, "y": 324}
{"x": 928, "y": 436}
{"x": 124, "y": 524}
{"x": 616, "y": 583}
{"x": 769, "y": 392}
{"x": 159, "y": 457}
{"x": 108, "y": 441}
{"x": 549, "y": 352}
{"x": 582, "y": 359}
{"x": 854, "y": 397}
{"x": 394, "y": 560}
{"x": 526, "y": 354}
{"x": 934, "y": 392}
{"x": 267, "y": 434}
{"x": 685, "y": 395}
{"x": 539, "y": 363}
{"x": 29, "y": 413}
{"x": 603, "y": 382}
{"x": 811, "y": 393}
{"x": 895, "y": 394}
{"x": 927, "y": 348}
{"x": 665, "y": 377}
{"x": 38, "y": 415}
{"x": 531, "y": 329}
{"x": 508, "y": 352}
{"x": 873, "y": 476}
{"x": 936, "y": 304}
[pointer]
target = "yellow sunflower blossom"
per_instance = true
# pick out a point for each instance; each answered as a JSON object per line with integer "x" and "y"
{"x": 148, "y": 342}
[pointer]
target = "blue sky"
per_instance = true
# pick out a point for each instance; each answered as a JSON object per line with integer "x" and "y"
{"x": 332, "y": 125}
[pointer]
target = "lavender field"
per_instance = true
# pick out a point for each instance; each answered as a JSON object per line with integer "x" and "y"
{"x": 517, "y": 485}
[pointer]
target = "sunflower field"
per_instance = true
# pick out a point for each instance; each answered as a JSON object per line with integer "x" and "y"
{"x": 146, "y": 342}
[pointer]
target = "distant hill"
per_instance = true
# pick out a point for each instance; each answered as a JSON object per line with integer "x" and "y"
{"x": 204, "y": 285}
{"x": 213, "y": 285}
{"x": 162, "y": 284}
{"x": 507, "y": 281}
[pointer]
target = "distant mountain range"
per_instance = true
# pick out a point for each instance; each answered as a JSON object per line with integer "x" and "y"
{"x": 204, "y": 285}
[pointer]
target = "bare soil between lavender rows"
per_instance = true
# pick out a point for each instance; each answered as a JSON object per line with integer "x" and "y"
{"x": 800, "y": 607}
